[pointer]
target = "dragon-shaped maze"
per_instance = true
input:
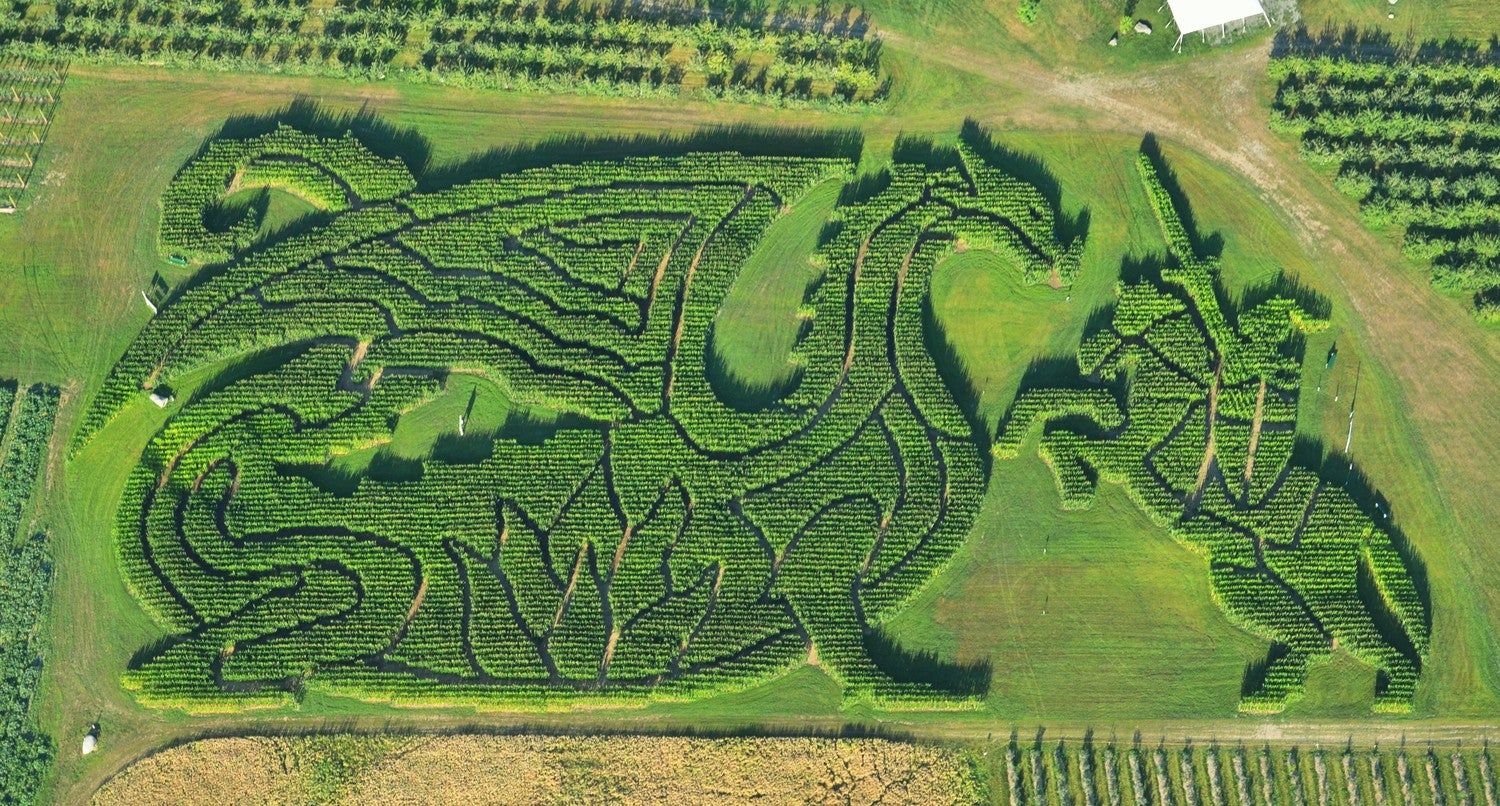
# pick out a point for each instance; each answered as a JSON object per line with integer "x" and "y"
{"x": 668, "y": 539}
{"x": 663, "y": 535}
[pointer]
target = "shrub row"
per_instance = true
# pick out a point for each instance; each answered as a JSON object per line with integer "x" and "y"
{"x": 618, "y": 49}
{"x": 1414, "y": 140}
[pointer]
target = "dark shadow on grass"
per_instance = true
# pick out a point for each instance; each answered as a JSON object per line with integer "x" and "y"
{"x": 1146, "y": 269}
{"x": 1340, "y": 469}
{"x": 904, "y": 666}
{"x": 740, "y": 394}
{"x": 922, "y": 151}
{"x": 1387, "y": 623}
{"x": 241, "y": 209}
{"x": 1031, "y": 170}
{"x": 864, "y": 188}
{"x": 257, "y": 363}
{"x": 748, "y": 140}
{"x": 1350, "y": 43}
{"x": 956, "y": 376}
{"x": 468, "y": 449}
{"x": 382, "y": 137}
{"x": 1255, "y": 671}
{"x": 1206, "y": 247}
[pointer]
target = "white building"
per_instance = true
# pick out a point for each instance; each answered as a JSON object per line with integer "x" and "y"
{"x": 1192, "y": 16}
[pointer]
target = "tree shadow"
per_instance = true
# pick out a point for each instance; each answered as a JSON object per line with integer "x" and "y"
{"x": 923, "y": 151}
{"x": 1144, "y": 269}
{"x": 382, "y": 137}
{"x": 864, "y": 188}
{"x": 904, "y": 666}
{"x": 1377, "y": 508}
{"x": 960, "y": 382}
{"x": 249, "y": 208}
{"x": 1029, "y": 169}
{"x": 1307, "y": 298}
{"x": 1312, "y": 302}
{"x": 563, "y": 149}
{"x": 1256, "y": 671}
{"x": 257, "y": 363}
{"x": 1350, "y": 43}
{"x": 739, "y": 394}
{"x": 1208, "y": 247}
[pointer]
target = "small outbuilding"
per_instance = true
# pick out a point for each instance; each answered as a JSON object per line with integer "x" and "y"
{"x": 1193, "y": 16}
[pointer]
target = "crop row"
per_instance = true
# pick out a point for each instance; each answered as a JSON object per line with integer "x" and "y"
{"x": 25, "y": 582}
{"x": 1092, "y": 773}
{"x": 618, "y": 49}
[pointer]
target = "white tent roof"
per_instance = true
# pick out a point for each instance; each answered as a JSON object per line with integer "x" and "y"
{"x": 1198, "y": 15}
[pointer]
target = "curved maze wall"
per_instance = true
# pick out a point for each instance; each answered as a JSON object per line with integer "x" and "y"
{"x": 665, "y": 542}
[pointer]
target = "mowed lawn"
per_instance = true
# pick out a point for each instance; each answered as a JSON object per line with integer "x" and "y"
{"x": 1475, "y": 20}
{"x": 1085, "y": 618}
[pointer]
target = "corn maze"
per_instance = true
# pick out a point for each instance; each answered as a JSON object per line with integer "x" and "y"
{"x": 1202, "y": 436}
{"x": 1094, "y": 773}
{"x": 661, "y": 540}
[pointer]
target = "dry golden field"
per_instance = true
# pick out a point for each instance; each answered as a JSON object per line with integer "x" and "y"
{"x": 544, "y": 769}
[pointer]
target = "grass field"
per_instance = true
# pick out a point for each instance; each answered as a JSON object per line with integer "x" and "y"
{"x": 1077, "y": 613}
{"x": 1461, "y": 19}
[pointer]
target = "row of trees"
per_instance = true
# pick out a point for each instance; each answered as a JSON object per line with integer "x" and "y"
{"x": 1414, "y": 142}
{"x": 526, "y": 44}
{"x": 1191, "y": 774}
{"x": 25, "y": 583}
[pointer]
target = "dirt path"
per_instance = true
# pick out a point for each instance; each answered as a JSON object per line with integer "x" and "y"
{"x": 859, "y": 265}
{"x": 629, "y": 269}
{"x": 1208, "y": 442}
{"x": 416, "y": 604}
{"x": 1260, "y": 406}
{"x": 562, "y": 606}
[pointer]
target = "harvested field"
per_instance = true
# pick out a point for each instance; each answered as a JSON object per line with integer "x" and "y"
{"x": 533, "y": 769}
